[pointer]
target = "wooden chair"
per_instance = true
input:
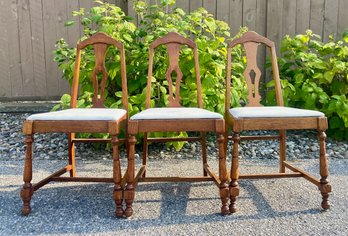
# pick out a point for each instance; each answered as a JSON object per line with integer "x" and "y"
{"x": 175, "y": 118}
{"x": 94, "y": 120}
{"x": 254, "y": 116}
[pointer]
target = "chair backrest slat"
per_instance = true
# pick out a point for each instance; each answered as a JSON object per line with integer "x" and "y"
{"x": 250, "y": 41}
{"x": 173, "y": 41}
{"x": 100, "y": 43}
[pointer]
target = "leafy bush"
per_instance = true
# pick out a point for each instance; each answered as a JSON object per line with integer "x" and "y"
{"x": 314, "y": 75}
{"x": 154, "y": 21}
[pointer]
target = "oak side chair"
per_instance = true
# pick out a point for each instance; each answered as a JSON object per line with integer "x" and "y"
{"x": 254, "y": 116}
{"x": 175, "y": 118}
{"x": 93, "y": 120}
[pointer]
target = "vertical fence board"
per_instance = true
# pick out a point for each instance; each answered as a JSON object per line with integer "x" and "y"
{"x": 14, "y": 55}
{"x": 236, "y": 16}
{"x": 274, "y": 20}
{"x": 61, "y": 32}
{"x": 261, "y": 16}
{"x": 222, "y": 10}
{"x": 14, "y": 60}
{"x": 289, "y": 18}
{"x": 131, "y": 11}
{"x": 183, "y": 4}
{"x": 122, "y": 4}
{"x": 210, "y": 6}
{"x": 194, "y": 4}
{"x": 249, "y": 14}
{"x": 50, "y": 37}
{"x": 38, "y": 48}
{"x": 5, "y": 88}
{"x": 86, "y": 4}
{"x": 74, "y": 30}
{"x": 303, "y": 10}
{"x": 25, "y": 46}
{"x": 342, "y": 17}
{"x": 110, "y": 1}
{"x": 317, "y": 16}
{"x": 330, "y": 19}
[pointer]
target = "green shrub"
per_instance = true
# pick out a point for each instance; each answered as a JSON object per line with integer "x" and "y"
{"x": 154, "y": 21}
{"x": 314, "y": 75}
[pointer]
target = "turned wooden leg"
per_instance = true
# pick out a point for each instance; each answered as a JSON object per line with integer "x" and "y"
{"x": 27, "y": 189}
{"x": 282, "y": 151}
{"x": 130, "y": 188}
{"x": 71, "y": 152}
{"x": 325, "y": 187}
{"x": 145, "y": 152}
{"x": 224, "y": 192}
{"x": 204, "y": 152}
{"x": 117, "y": 194}
{"x": 234, "y": 187}
{"x": 226, "y": 141}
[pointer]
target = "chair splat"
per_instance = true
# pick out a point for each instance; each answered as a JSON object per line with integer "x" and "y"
{"x": 253, "y": 86}
{"x": 173, "y": 52}
{"x": 100, "y": 52}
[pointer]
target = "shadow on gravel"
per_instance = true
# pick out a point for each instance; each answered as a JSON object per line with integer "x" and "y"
{"x": 81, "y": 208}
{"x": 86, "y": 208}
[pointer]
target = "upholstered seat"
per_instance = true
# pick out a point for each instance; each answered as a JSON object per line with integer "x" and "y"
{"x": 171, "y": 113}
{"x": 272, "y": 112}
{"x": 81, "y": 114}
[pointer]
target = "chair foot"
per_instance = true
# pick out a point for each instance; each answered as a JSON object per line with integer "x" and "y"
{"x": 129, "y": 198}
{"x": 128, "y": 212}
{"x": 224, "y": 194}
{"x": 26, "y": 194}
{"x": 325, "y": 189}
{"x": 117, "y": 195}
{"x": 325, "y": 204}
{"x": 234, "y": 193}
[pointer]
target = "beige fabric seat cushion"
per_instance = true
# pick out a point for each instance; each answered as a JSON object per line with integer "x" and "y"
{"x": 174, "y": 113}
{"x": 272, "y": 112}
{"x": 81, "y": 114}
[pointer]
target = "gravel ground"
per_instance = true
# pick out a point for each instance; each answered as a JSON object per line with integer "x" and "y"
{"x": 266, "y": 207}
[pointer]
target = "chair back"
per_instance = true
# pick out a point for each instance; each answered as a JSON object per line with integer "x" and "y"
{"x": 173, "y": 41}
{"x": 251, "y": 41}
{"x": 100, "y": 42}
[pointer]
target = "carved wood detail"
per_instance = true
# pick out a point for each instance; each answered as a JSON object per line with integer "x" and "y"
{"x": 254, "y": 96}
{"x": 100, "y": 52}
{"x": 173, "y": 41}
{"x": 174, "y": 52}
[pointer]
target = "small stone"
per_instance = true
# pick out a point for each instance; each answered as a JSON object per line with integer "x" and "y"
{"x": 314, "y": 148}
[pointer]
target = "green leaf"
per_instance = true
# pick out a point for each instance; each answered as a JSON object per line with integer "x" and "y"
{"x": 328, "y": 76}
{"x": 180, "y": 11}
{"x": 55, "y": 107}
{"x": 118, "y": 94}
{"x": 65, "y": 99}
{"x": 69, "y": 23}
{"x": 345, "y": 36}
{"x": 335, "y": 122}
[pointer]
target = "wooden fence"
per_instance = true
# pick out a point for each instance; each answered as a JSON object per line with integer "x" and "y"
{"x": 30, "y": 28}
